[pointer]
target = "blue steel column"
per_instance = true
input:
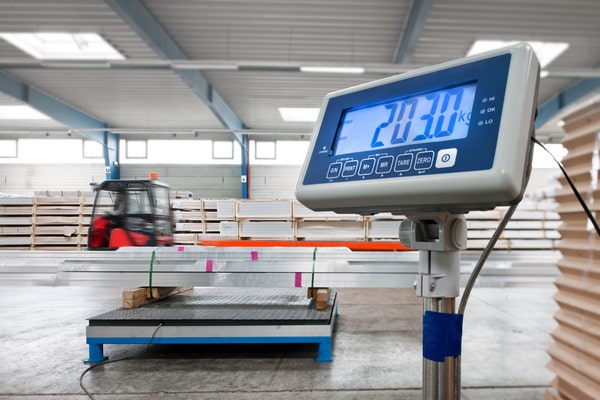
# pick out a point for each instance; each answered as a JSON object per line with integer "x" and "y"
{"x": 111, "y": 155}
{"x": 245, "y": 167}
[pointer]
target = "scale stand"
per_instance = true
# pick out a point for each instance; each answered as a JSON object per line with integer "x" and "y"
{"x": 439, "y": 237}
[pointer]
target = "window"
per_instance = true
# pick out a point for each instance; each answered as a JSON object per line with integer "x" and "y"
{"x": 51, "y": 151}
{"x": 279, "y": 152}
{"x": 136, "y": 149}
{"x": 8, "y": 148}
{"x": 265, "y": 150}
{"x": 222, "y": 150}
{"x": 92, "y": 149}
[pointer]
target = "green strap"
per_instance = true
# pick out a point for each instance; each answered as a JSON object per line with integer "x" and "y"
{"x": 312, "y": 277}
{"x": 151, "y": 270}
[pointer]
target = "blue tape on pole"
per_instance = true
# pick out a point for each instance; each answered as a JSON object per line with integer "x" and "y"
{"x": 442, "y": 335}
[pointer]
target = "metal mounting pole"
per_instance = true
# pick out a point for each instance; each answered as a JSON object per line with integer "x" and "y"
{"x": 439, "y": 239}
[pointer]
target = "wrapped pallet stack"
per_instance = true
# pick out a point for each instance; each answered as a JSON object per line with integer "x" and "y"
{"x": 575, "y": 352}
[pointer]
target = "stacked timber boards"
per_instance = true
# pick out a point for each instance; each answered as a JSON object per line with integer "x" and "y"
{"x": 48, "y": 221}
{"x": 60, "y": 221}
{"x": 533, "y": 226}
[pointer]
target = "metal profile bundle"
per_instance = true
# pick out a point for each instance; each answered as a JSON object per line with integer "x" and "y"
{"x": 253, "y": 266}
{"x": 258, "y": 267}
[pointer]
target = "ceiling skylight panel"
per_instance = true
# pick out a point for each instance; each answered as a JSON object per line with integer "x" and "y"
{"x": 63, "y": 46}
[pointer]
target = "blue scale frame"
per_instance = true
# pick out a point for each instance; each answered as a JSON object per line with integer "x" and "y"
{"x": 473, "y": 153}
{"x": 96, "y": 345}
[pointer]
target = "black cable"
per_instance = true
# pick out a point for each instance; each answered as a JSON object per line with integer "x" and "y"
{"x": 585, "y": 207}
{"x": 507, "y": 216}
{"x": 482, "y": 259}
{"x": 105, "y": 362}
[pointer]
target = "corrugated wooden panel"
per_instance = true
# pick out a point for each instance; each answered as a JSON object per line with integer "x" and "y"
{"x": 576, "y": 349}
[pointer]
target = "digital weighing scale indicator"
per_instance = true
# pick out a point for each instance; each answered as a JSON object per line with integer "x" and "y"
{"x": 453, "y": 137}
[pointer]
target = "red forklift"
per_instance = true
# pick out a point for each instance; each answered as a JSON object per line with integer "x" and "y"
{"x": 131, "y": 213}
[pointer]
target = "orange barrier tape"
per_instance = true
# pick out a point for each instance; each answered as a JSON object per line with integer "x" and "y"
{"x": 355, "y": 246}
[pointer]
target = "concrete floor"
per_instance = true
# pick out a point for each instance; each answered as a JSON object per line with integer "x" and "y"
{"x": 377, "y": 351}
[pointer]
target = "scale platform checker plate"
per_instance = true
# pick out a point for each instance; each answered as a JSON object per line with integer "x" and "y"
{"x": 219, "y": 316}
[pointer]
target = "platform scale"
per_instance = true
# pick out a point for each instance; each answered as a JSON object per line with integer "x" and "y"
{"x": 219, "y": 316}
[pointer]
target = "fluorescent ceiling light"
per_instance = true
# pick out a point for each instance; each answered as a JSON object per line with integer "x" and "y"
{"x": 63, "y": 46}
{"x": 20, "y": 113}
{"x": 545, "y": 51}
{"x": 299, "y": 114}
{"x": 334, "y": 70}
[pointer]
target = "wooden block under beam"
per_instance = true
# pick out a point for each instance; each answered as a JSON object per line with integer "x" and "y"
{"x": 137, "y": 297}
{"x": 322, "y": 298}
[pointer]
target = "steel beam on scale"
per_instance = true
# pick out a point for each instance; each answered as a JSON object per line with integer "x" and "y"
{"x": 262, "y": 267}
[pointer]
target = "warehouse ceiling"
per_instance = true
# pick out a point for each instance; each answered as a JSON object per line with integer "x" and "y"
{"x": 210, "y": 68}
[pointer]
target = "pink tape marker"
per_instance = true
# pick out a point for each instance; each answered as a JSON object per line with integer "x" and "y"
{"x": 180, "y": 248}
{"x": 209, "y": 265}
{"x": 254, "y": 255}
{"x": 298, "y": 279}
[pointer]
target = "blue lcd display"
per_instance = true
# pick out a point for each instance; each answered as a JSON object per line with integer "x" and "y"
{"x": 435, "y": 116}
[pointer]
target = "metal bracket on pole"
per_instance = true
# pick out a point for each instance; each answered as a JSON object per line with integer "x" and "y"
{"x": 439, "y": 239}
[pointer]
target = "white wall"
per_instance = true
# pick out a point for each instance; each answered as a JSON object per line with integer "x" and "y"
{"x": 25, "y": 179}
{"x": 204, "y": 181}
{"x": 273, "y": 181}
{"x": 207, "y": 181}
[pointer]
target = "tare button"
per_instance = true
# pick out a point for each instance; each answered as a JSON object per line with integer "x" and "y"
{"x": 403, "y": 162}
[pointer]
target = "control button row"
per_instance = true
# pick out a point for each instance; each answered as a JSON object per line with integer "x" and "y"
{"x": 422, "y": 161}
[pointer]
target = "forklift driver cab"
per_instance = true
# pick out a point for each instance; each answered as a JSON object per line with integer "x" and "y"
{"x": 130, "y": 213}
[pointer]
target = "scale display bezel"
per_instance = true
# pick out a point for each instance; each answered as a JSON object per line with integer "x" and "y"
{"x": 485, "y": 168}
